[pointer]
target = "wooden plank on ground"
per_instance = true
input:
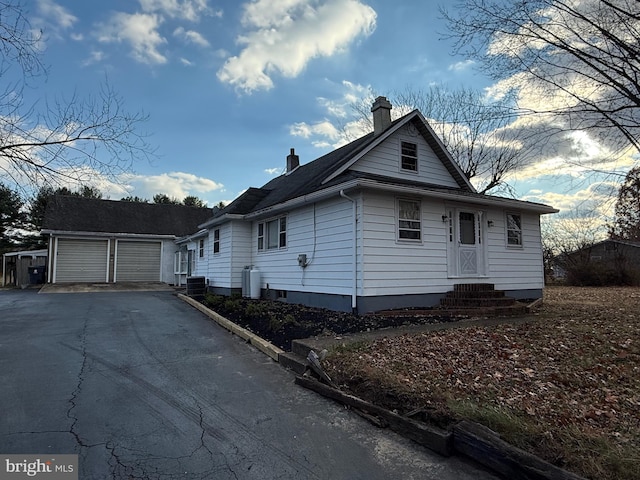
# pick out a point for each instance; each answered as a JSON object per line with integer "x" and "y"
{"x": 431, "y": 437}
{"x": 486, "y": 447}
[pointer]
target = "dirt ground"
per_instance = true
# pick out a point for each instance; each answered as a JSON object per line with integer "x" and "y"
{"x": 280, "y": 322}
{"x": 565, "y": 386}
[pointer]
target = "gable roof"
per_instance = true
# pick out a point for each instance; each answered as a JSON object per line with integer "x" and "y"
{"x": 332, "y": 169}
{"x": 80, "y": 214}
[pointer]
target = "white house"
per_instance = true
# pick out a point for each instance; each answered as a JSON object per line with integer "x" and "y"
{"x": 386, "y": 221}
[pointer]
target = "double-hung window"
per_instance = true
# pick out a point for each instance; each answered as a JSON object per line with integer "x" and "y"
{"x": 409, "y": 156}
{"x": 409, "y": 223}
{"x": 201, "y": 248}
{"x": 514, "y": 230}
{"x": 272, "y": 234}
{"x": 216, "y": 240}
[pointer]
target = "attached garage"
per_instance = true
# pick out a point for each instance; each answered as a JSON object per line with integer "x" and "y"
{"x": 138, "y": 261}
{"x": 81, "y": 260}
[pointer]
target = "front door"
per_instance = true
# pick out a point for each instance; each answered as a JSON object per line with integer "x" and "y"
{"x": 466, "y": 239}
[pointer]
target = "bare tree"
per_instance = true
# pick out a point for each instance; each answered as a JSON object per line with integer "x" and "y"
{"x": 62, "y": 140}
{"x": 474, "y": 129}
{"x": 580, "y": 59}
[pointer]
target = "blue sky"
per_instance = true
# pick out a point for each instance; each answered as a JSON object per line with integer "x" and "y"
{"x": 231, "y": 86}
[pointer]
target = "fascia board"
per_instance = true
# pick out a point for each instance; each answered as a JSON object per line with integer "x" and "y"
{"x": 67, "y": 233}
{"x": 505, "y": 203}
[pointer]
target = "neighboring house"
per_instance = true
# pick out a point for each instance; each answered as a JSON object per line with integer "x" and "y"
{"x": 386, "y": 221}
{"x": 94, "y": 240}
{"x": 618, "y": 255}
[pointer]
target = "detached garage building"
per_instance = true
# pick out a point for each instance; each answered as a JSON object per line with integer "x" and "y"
{"x": 104, "y": 241}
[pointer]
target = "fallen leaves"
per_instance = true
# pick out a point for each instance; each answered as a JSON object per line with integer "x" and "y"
{"x": 577, "y": 367}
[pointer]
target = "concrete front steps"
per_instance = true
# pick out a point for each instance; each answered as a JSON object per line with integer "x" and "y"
{"x": 469, "y": 300}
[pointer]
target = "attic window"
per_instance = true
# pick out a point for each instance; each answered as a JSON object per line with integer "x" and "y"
{"x": 409, "y": 156}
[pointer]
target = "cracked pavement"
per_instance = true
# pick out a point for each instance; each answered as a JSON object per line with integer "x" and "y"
{"x": 142, "y": 386}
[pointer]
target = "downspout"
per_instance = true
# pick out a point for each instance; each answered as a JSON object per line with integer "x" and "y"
{"x": 354, "y": 293}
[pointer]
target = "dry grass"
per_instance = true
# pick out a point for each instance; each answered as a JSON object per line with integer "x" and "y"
{"x": 565, "y": 387}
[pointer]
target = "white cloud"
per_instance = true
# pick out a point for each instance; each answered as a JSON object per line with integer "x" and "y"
{"x": 186, "y": 62}
{"x": 461, "y": 66}
{"x": 190, "y": 10}
{"x": 191, "y": 36}
{"x": 284, "y": 35}
{"x": 140, "y": 31}
{"x": 56, "y": 14}
{"x": 174, "y": 184}
{"x": 95, "y": 57}
{"x": 273, "y": 171}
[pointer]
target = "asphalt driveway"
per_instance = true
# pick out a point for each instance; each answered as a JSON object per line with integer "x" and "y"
{"x": 141, "y": 385}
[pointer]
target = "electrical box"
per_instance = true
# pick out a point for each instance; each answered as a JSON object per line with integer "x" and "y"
{"x": 302, "y": 260}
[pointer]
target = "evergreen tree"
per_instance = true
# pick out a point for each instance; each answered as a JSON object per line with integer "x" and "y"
{"x": 627, "y": 221}
{"x": 11, "y": 219}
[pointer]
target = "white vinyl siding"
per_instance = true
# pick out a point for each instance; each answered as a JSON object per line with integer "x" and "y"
{"x": 330, "y": 257}
{"x": 225, "y": 269}
{"x": 393, "y": 268}
{"x": 138, "y": 261}
{"x": 397, "y": 268}
{"x": 80, "y": 260}
{"x": 384, "y": 160}
{"x": 515, "y": 268}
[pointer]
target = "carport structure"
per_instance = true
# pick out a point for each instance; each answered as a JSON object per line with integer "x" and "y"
{"x": 104, "y": 241}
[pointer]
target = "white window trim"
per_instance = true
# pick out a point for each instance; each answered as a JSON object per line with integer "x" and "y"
{"x": 417, "y": 158}
{"x": 216, "y": 241}
{"x": 507, "y": 230}
{"x": 265, "y": 234}
{"x": 399, "y": 239}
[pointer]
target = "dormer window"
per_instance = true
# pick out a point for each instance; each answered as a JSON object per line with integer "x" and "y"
{"x": 409, "y": 156}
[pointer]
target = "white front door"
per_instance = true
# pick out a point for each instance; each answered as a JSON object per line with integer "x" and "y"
{"x": 467, "y": 243}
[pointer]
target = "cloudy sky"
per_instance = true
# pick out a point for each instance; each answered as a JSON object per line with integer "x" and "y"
{"x": 231, "y": 86}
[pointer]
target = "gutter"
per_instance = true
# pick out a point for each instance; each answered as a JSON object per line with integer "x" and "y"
{"x": 354, "y": 292}
{"x": 67, "y": 233}
{"x": 402, "y": 189}
{"x": 199, "y": 234}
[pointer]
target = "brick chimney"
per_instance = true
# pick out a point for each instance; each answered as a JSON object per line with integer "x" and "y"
{"x": 293, "y": 161}
{"x": 381, "y": 115}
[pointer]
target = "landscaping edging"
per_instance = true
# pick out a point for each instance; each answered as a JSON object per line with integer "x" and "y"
{"x": 467, "y": 438}
{"x": 258, "y": 342}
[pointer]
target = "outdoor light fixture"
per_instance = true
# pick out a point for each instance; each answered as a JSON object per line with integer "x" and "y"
{"x": 444, "y": 218}
{"x": 490, "y": 223}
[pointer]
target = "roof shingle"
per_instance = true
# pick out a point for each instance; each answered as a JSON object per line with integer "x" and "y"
{"x": 80, "y": 214}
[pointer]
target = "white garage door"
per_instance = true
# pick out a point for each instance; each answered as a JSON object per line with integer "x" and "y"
{"x": 82, "y": 260}
{"x": 138, "y": 261}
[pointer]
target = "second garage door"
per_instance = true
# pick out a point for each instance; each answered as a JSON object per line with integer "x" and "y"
{"x": 138, "y": 261}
